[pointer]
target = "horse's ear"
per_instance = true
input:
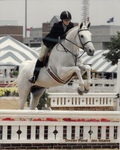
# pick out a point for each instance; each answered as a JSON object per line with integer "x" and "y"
{"x": 88, "y": 25}
{"x": 81, "y": 25}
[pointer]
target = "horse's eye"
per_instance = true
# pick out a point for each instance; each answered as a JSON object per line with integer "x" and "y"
{"x": 81, "y": 36}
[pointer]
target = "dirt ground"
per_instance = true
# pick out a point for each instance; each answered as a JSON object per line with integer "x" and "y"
{"x": 8, "y": 103}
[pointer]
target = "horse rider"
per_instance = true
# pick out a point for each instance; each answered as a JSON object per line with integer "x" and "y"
{"x": 57, "y": 32}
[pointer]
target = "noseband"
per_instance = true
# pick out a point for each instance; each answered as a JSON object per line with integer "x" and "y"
{"x": 83, "y": 44}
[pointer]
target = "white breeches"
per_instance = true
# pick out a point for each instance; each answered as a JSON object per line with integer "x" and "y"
{"x": 43, "y": 51}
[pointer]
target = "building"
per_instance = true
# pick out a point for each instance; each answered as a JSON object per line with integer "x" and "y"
{"x": 102, "y": 35}
{"x": 14, "y": 31}
{"x": 35, "y": 38}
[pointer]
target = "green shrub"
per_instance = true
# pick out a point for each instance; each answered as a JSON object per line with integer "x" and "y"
{"x": 8, "y": 92}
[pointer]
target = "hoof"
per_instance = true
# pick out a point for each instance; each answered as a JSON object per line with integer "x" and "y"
{"x": 86, "y": 91}
{"x": 79, "y": 92}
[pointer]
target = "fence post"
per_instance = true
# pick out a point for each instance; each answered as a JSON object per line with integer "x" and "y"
{"x": 117, "y": 86}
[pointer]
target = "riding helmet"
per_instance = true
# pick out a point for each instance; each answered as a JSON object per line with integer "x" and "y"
{"x": 65, "y": 15}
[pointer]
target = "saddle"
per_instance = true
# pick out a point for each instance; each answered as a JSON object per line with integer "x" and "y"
{"x": 46, "y": 58}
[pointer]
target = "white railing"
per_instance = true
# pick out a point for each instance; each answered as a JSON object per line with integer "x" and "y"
{"x": 91, "y": 100}
{"x": 103, "y": 85}
{"x": 6, "y": 80}
{"x": 86, "y": 100}
{"x": 69, "y": 100}
{"x": 59, "y": 126}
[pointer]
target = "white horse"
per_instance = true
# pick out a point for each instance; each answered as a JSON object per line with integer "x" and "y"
{"x": 64, "y": 62}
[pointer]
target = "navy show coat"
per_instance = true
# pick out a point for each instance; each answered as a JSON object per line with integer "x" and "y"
{"x": 56, "y": 31}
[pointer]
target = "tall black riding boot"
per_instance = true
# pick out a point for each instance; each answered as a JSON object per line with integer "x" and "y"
{"x": 38, "y": 65}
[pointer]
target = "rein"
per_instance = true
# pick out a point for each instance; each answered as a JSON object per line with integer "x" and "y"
{"x": 83, "y": 45}
{"x": 67, "y": 50}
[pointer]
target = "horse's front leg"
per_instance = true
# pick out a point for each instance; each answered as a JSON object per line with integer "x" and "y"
{"x": 87, "y": 68}
{"x": 66, "y": 72}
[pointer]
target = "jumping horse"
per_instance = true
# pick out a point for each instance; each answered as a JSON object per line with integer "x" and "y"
{"x": 64, "y": 62}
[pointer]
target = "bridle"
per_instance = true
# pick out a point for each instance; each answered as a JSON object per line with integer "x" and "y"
{"x": 83, "y": 45}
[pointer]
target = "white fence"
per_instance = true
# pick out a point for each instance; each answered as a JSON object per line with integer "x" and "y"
{"x": 103, "y": 85}
{"x": 4, "y": 80}
{"x": 101, "y": 100}
{"x": 63, "y": 127}
{"x": 86, "y": 100}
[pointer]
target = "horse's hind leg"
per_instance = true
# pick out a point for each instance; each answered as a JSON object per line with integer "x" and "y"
{"x": 36, "y": 94}
{"x": 23, "y": 94}
{"x": 22, "y": 100}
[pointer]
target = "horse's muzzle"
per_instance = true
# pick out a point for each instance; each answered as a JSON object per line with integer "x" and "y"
{"x": 90, "y": 52}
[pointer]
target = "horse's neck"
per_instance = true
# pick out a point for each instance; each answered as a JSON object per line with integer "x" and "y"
{"x": 64, "y": 53}
{"x": 70, "y": 39}
{"x": 59, "y": 56}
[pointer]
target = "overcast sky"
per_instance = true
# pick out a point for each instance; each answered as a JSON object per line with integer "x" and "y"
{"x": 39, "y": 11}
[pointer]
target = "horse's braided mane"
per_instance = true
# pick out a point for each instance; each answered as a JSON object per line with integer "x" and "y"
{"x": 76, "y": 27}
{"x": 71, "y": 29}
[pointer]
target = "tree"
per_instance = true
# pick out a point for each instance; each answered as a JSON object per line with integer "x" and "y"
{"x": 42, "y": 101}
{"x": 114, "y": 49}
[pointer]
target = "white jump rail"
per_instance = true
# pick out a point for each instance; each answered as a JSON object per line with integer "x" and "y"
{"x": 86, "y": 100}
{"x": 63, "y": 127}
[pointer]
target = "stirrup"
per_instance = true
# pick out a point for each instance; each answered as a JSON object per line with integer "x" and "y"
{"x": 32, "y": 80}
